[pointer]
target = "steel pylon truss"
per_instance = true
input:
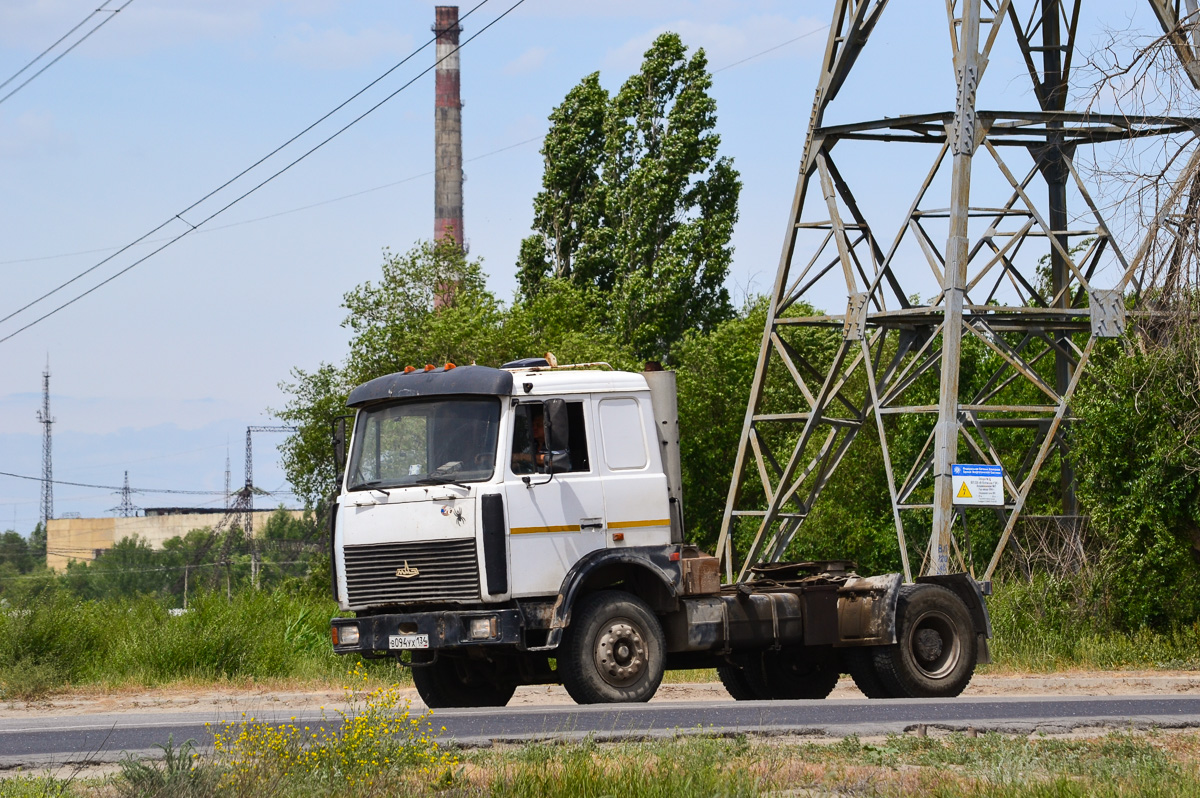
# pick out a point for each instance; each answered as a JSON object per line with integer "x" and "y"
{"x": 891, "y": 363}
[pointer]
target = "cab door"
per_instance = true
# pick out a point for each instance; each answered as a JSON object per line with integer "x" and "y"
{"x": 553, "y": 519}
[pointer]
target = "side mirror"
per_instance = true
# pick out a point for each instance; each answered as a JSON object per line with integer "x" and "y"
{"x": 339, "y": 444}
{"x": 558, "y": 436}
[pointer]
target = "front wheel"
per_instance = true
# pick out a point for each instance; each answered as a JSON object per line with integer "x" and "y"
{"x": 454, "y": 682}
{"x": 613, "y": 651}
{"x": 935, "y": 650}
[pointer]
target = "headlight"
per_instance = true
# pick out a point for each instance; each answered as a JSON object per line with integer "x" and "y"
{"x": 345, "y": 635}
{"x": 483, "y": 628}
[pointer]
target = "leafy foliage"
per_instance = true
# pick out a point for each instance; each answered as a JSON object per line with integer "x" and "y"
{"x": 1138, "y": 478}
{"x": 637, "y": 208}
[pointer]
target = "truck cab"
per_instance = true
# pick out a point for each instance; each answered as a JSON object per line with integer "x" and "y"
{"x": 490, "y": 520}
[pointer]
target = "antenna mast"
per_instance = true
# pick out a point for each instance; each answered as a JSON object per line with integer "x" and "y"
{"x": 46, "y": 420}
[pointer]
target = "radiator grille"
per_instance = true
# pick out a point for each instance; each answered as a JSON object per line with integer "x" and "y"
{"x": 448, "y": 571}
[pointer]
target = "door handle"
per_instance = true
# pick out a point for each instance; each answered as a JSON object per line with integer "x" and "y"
{"x": 591, "y": 523}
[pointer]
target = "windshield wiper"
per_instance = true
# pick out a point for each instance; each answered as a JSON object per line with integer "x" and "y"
{"x": 440, "y": 481}
{"x": 373, "y": 485}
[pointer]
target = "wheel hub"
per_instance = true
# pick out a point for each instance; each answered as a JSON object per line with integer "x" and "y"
{"x": 620, "y": 653}
{"x": 928, "y": 645}
{"x": 935, "y": 645}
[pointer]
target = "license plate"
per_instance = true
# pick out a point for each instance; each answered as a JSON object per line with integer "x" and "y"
{"x": 408, "y": 641}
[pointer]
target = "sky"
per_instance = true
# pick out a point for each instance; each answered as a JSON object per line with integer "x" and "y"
{"x": 159, "y": 371}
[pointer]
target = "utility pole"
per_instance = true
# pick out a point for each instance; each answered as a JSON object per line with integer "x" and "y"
{"x": 972, "y": 252}
{"x": 46, "y": 420}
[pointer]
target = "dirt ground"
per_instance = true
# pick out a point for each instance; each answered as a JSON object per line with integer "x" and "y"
{"x": 265, "y": 702}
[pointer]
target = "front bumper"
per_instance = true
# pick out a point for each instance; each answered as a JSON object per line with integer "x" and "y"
{"x": 447, "y": 629}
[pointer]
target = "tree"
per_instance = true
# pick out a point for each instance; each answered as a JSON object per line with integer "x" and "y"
{"x": 37, "y": 544}
{"x": 637, "y": 207}
{"x": 14, "y": 551}
{"x": 396, "y": 322}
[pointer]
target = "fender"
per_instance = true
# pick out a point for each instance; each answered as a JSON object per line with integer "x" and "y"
{"x": 971, "y": 593}
{"x": 661, "y": 575}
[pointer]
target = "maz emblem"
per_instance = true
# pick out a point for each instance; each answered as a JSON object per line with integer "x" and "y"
{"x": 406, "y": 572}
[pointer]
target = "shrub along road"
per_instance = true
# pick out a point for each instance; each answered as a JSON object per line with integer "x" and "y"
{"x": 60, "y": 739}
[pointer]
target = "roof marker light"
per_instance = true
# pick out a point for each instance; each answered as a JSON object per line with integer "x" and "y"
{"x": 449, "y": 366}
{"x": 429, "y": 367}
{"x": 409, "y": 369}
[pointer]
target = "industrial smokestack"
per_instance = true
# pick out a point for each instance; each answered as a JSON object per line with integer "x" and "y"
{"x": 447, "y": 128}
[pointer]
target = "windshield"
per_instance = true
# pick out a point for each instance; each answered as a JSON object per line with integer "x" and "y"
{"x": 425, "y": 442}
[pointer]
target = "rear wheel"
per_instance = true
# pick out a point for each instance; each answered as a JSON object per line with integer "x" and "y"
{"x": 794, "y": 673}
{"x": 936, "y": 649}
{"x": 791, "y": 673}
{"x": 736, "y": 684}
{"x": 860, "y": 664}
{"x": 613, "y": 651}
{"x": 453, "y": 682}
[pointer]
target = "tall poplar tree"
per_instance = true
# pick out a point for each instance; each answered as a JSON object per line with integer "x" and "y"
{"x": 637, "y": 206}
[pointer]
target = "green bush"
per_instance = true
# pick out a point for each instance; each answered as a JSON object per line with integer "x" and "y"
{"x": 60, "y": 640}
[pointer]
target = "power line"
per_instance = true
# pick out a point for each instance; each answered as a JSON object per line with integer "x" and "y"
{"x": 277, "y": 214}
{"x": 381, "y": 187}
{"x": 772, "y": 49}
{"x": 61, "y": 39}
{"x": 122, "y": 487}
{"x": 111, "y": 14}
{"x": 192, "y": 227}
{"x": 71, "y": 553}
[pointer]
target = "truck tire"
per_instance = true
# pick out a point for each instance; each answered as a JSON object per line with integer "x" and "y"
{"x": 935, "y": 652}
{"x": 613, "y": 651}
{"x": 736, "y": 684}
{"x": 860, "y": 664}
{"x": 793, "y": 673}
{"x": 452, "y": 682}
{"x": 789, "y": 674}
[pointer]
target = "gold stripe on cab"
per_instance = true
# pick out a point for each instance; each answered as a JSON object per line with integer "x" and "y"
{"x": 529, "y": 530}
{"x": 631, "y": 524}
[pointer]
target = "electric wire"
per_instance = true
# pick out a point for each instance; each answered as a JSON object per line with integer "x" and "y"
{"x": 76, "y": 554}
{"x": 119, "y": 488}
{"x": 772, "y": 49}
{"x": 228, "y": 182}
{"x": 277, "y": 214}
{"x": 381, "y": 187}
{"x": 61, "y": 39}
{"x": 111, "y": 15}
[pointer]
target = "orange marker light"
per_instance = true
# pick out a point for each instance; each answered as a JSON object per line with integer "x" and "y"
{"x": 429, "y": 367}
{"x": 409, "y": 369}
{"x": 450, "y": 365}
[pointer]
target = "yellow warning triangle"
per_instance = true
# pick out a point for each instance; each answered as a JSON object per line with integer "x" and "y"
{"x": 963, "y": 493}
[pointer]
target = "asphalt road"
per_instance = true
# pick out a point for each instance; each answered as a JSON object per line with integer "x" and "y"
{"x": 61, "y": 739}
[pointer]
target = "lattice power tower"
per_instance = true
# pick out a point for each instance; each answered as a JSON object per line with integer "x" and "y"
{"x": 990, "y": 205}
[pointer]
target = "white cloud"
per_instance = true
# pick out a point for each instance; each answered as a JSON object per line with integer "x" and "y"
{"x": 726, "y": 43}
{"x": 31, "y": 134}
{"x": 529, "y": 61}
{"x": 146, "y": 26}
{"x": 334, "y": 48}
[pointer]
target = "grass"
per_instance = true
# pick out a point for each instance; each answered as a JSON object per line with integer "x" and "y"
{"x": 58, "y": 642}
{"x": 408, "y": 762}
{"x": 1047, "y": 626}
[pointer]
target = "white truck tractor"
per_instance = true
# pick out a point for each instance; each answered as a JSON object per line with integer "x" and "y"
{"x": 524, "y": 525}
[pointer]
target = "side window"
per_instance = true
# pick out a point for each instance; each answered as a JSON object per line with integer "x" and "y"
{"x": 529, "y": 438}
{"x": 623, "y": 434}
